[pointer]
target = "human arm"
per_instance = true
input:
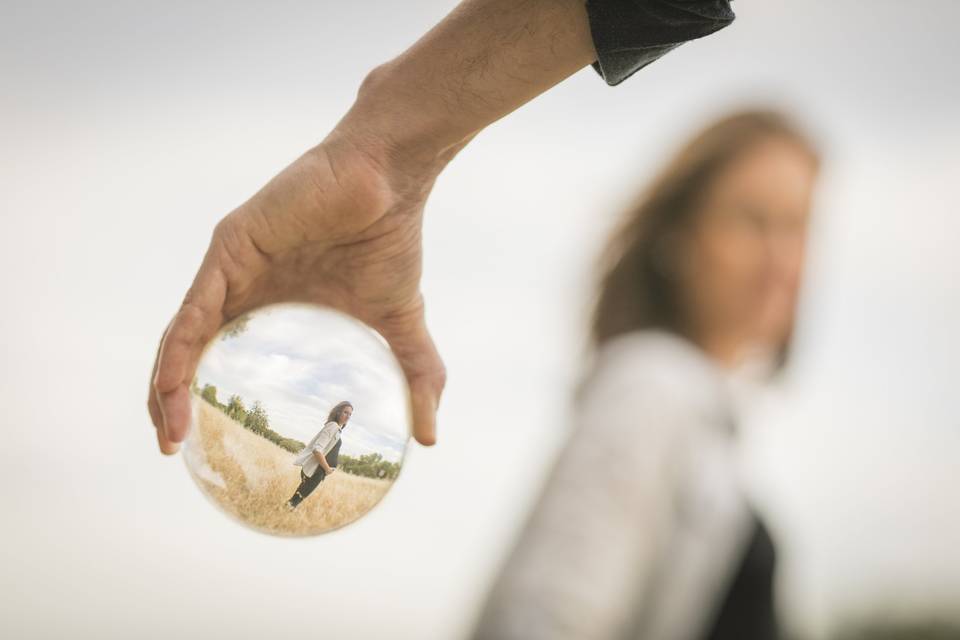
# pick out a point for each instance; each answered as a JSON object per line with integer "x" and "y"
{"x": 322, "y": 445}
{"x": 341, "y": 226}
{"x": 589, "y": 549}
{"x": 642, "y": 518}
{"x": 322, "y": 459}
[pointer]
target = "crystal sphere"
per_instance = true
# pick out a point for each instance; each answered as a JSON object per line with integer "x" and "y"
{"x": 279, "y": 391}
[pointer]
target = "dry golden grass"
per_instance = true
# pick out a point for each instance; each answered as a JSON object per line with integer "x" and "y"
{"x": 252, "y": 479}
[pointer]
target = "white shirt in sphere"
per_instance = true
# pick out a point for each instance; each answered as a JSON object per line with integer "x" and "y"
{"x": 323, "y": 442}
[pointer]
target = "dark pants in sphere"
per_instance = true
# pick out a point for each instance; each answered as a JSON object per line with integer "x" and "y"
{"x": 309, "y": 483}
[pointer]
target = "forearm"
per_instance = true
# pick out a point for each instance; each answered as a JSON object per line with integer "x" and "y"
{"x": 322, "y": 459}
{"x": 482, "y": 61}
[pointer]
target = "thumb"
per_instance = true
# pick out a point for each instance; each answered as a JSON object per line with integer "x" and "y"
{"x": 407, "y": 335}
{"x": 199, "y": 318}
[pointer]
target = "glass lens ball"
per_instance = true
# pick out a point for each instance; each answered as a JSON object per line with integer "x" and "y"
{"x": 279, "y": 391}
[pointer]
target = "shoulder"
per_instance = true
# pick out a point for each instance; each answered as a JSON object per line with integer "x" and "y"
{"x": 655, "y": 357}
{"x": 325, "y": 430}
{"x": 655, "y": 370}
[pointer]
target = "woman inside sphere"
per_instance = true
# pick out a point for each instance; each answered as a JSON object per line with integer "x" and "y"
{"x": 318, "y": 458}
{"x": 643, "y": 529}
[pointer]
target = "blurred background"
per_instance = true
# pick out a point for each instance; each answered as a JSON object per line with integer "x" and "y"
{"x": 129, "y": 129}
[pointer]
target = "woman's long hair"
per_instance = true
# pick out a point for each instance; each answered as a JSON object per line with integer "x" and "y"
{"x": 338, "y": 408}
{"x": 635, "y": 291}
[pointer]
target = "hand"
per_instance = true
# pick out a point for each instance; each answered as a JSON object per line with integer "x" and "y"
{"x": 337, "y": 227}
{"x": 330, "y": 472}
{"x": 341, "y": 225}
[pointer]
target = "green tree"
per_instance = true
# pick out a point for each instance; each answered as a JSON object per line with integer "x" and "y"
{"x": 209, "y": 394}
{"x": 257, "y": 420}
{"x": 370, "y": 465}
{"x": 291, "y": 445}
{"x": 235, "y": 409}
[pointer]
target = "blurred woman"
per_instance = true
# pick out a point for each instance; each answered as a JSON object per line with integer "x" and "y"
{"x": 643, "y": 529}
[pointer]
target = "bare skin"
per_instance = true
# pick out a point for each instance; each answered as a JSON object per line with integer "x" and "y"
{"x": 746, "y": 251}
{"x": 341, "y": 225}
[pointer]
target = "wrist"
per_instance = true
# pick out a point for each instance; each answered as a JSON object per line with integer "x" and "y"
{"x": 402, "y": 127}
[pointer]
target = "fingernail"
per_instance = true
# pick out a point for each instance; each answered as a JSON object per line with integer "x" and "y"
{"x": 167, "y": 448}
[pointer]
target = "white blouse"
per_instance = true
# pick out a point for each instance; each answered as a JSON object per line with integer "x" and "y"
{"x": 323, "y": 442}
{"x": 641, "y": 522}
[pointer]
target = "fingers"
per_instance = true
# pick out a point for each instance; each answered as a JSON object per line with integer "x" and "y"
{"x": 424, "y": 369}
{"x": 153, "y": 406}
{"x": 195, "y": 323}
{"x": 167, "y": 448}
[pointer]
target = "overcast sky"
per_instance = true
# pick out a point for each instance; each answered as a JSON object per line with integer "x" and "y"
{"x": 300, "y": 361}
{"x": 129, "y": 129}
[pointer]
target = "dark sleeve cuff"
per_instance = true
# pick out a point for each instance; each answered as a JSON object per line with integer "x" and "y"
{"x": 630, "y": 34}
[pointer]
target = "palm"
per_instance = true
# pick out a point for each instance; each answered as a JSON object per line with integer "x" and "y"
{"x": 329, "y": 229}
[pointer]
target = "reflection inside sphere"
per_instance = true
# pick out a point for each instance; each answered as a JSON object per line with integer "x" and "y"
{"x": 284, "y": 393}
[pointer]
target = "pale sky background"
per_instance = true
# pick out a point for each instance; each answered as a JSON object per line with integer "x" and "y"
{"x": 299, "y": 362}
{"x": 128, "y": 130}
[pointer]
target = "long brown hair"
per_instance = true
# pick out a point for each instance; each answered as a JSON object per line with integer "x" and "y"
{"x": 635, "y": 291}
{"x": 334, "y": 415}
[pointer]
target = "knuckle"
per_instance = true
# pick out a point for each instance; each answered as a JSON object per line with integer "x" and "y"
{"x": 226, "y": 243}
{"x": 165, "y": 379}
{"x": 184, "y": 333}
{"x": 191, "y": 314}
